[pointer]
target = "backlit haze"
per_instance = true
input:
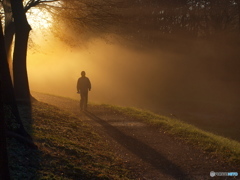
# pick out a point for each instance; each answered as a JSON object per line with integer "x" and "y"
{"x": 190, "y": 80}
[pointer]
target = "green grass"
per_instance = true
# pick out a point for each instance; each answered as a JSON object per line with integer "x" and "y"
{"x": 223, "y": 147}
{"x": 67, "y": 149}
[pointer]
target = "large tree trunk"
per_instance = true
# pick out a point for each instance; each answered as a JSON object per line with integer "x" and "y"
{"x": 7, "y": 89}
{"x": 238, "y": 4}
{"x": 9, "y": 30}
{"x": 21, "y": 85}
{"x": 22, "y": 29}
{"x": 4, "y": 170}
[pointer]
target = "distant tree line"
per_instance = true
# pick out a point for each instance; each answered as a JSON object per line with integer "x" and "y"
{"x": 200, "y": 18}
{"x": 152, "y": 20}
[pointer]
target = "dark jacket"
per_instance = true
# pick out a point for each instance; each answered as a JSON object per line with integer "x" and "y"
{"x": 83, "y": 85}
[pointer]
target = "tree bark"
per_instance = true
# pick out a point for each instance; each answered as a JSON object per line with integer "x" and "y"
{"x": 22, "y": 29}
{"x": 21, "y": 85}
{"x": 4, "y": 170}
{"x": 7, "y": 88}
{"x": 238, "y": 4}
{"x": 8, "y": 30}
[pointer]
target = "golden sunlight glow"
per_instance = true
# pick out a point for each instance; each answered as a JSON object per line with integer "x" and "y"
{"x": 56, "y": 71}
{"x": 137, "y": 65}
{"x": 39, "y": 18}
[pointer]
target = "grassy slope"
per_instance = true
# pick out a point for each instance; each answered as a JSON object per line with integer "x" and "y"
{"x": 223, "y": 147}
{"x": 67, "y": 149}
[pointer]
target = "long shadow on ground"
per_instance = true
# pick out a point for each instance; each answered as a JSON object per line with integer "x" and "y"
{"x": 142, "y": 150}
{"x": 24, "y": 157}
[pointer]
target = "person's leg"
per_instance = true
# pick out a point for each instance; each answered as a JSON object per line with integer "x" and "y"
{"x": 86, "y": 100}
{"x": 81, "y": 101}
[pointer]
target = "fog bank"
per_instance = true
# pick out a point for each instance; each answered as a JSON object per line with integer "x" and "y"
{"x": 199, "y": 84}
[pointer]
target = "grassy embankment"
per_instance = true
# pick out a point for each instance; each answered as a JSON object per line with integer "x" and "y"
{"x": 223, "y": 147}
{"x": 67, "y": 149}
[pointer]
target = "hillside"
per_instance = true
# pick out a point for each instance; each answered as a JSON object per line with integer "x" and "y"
{"x": 152, "y": 151}
{"x": 68, "y": 148}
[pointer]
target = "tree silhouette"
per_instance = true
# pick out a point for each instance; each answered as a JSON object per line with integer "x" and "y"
{"x": 4, "y": 171}
{"x": 8, "y": 93}
{"x": 22, "y": 29}
{"x": 16, "y": 24}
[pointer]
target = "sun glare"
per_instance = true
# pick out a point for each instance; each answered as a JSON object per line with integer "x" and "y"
{"x": 39, "y": 18}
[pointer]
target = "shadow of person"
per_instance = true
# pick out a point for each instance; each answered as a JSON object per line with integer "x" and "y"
{"x": 143, "y": 151}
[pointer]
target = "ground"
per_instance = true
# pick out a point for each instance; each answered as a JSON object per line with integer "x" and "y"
{"x": 150, "y": 151}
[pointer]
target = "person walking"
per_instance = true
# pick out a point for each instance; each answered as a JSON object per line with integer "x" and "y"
{"x": 83, "y": 86}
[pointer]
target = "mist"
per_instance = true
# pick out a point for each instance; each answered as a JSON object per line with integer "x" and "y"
{"x": 193, "y": 81}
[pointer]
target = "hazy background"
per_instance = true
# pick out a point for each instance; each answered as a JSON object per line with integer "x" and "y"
{"x": 195, "y": 86}
{"x": 194, "y": 79}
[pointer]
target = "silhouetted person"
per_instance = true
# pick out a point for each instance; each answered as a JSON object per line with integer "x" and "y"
{"x": 83, "y": 86}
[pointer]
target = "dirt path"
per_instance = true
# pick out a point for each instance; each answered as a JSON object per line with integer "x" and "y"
{"x": 154, "y": 154}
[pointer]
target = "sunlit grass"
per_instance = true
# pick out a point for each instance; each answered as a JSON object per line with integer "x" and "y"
{"x": 71, "y": 149}
{"x": 67, "y": 149}
{"x": 226, "y": 148}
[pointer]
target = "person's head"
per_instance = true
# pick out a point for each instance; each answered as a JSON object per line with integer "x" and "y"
{"x": 83, "y": 73}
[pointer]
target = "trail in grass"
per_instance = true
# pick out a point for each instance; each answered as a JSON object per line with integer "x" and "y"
{"x": 154, "y": 154}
